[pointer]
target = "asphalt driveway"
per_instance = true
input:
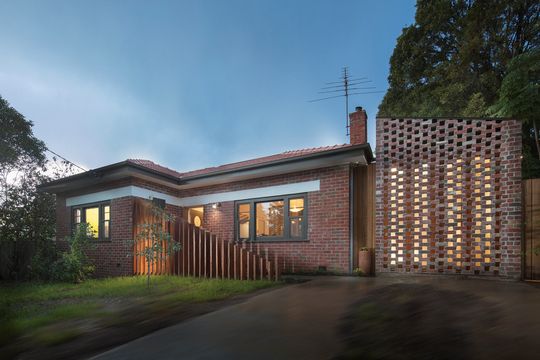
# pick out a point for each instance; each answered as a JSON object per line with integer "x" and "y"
{"x": 306, "y": 321}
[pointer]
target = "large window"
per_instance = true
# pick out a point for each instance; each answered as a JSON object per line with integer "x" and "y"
{"x": 97, "y": 216}
{"x": 280, "y": 218}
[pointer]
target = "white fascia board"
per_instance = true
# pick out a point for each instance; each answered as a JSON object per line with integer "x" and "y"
{"x": 261, "y": 192}
{"x": 277, "y": 190}
{"x": 121, "y": 192}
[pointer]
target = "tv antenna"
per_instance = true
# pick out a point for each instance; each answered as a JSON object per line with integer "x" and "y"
{"x": 345, "y": 87}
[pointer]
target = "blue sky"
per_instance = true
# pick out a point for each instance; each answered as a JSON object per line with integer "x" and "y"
{"x": 191, "y": 84}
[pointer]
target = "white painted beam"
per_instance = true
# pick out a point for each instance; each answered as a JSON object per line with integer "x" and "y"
{"x": 277, "y": 190}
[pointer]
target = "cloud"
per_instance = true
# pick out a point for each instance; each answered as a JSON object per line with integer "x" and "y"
{"x": 76, "y": 115}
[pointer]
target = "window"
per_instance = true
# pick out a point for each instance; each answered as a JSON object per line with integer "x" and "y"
{"x": 269, "y": 219}
{"x": 97, "y": 216}
{"x": 280, "y": 218}
{"x": 196, "y": 215}
{"x": 244, "y": 218}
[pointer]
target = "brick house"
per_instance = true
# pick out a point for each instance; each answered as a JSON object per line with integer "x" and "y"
{"x": 300, "y": 205}
{"x": 444, "y": 198}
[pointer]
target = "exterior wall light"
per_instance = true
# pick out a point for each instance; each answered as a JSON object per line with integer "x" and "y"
{"x": 216, "y": 205}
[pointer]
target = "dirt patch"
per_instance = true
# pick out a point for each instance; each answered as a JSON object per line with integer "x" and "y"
{"x": 414, "y": 321}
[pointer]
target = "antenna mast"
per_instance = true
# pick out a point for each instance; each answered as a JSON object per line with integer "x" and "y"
{"x": 343, "y": 88}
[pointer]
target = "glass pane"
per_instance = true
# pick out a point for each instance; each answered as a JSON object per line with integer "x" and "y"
{"x": 269, "y": 218}
{"x": 297, "y": 225}
{"x": 296, "y": 207}
{"x": 243, "y": 220}
{"x": 195, "y": 215}
{"x": 106, "y": 212}
{"x": 106, "y": 229}
{"x": 77, "y": 216}
{"x": 92, "y": 219}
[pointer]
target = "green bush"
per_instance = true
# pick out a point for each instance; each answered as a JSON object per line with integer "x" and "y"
{"x": 73, "y": 265}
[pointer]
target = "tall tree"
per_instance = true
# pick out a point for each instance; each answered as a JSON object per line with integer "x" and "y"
{"x": 452, "y": 60}
{"x": 456, "y": 60}
{"x": 519, "y": 97}
{"x": 27, "y": 216}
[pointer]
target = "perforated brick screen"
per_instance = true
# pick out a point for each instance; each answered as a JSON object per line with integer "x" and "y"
{"x": 449, "y": 196}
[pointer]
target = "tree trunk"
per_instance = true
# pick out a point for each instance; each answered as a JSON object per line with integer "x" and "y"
{"x": 536, "y": 138}
{"x": 148, "y": 274}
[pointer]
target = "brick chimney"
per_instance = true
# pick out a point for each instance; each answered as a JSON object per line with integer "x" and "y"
{"x": 358, "y": 126}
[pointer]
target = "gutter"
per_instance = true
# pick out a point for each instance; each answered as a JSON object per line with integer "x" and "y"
{"x": 100, "y": 172}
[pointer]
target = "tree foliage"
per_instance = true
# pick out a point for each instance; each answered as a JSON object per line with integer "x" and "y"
{"x": 519, "y": 97}
{"x": 154, "y": 241}
{"x": 452, "y": 60}
{"x": 27, "y": 216}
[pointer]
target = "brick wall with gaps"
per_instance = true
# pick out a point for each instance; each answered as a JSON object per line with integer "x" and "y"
{"x": 449, "y": 196}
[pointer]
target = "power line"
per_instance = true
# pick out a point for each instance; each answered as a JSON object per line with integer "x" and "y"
{"x": 63, "y": 158}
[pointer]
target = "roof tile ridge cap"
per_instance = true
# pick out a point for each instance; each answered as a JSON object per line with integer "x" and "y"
{"x": 324, "y": 147}
{"x": 137, "y": 161}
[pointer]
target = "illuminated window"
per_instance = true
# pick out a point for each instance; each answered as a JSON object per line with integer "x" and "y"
{"x": 91, "y": 217}
{"x": 98, "y": 218}
{"x": 244, "y": 221}
{"x": 195, "y": 215}
{"x": 269, "y": 220}
{"x": 296, "y": 217}
{"x": 280, "y": 218}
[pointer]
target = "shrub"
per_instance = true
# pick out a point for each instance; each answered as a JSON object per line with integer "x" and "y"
{"x": 73, "y": 265}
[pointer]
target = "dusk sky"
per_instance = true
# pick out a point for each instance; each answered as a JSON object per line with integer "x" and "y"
{"x": 191, "y": 84}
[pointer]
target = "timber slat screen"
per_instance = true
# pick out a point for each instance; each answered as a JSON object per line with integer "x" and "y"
{"x": 531, "y": 236}
{"x": 203, "y": 254}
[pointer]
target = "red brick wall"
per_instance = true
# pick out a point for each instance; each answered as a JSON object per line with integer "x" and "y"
{"x": 358, "y": 126}
{"x": 449, "y": 196}
{"x": 328, "y": 220}
{"x": 109, "y": 257}
{"x": 328, "y": 223}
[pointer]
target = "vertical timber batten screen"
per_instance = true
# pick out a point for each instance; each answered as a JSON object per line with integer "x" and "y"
{"x": 449, "y": 196}
{"x": 202, "y": 253}
{"x": 531, "y": 246}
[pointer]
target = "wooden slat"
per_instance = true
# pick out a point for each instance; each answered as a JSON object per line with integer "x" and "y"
{"x": 276, "y": 266}
{"x": 202, "y": 253}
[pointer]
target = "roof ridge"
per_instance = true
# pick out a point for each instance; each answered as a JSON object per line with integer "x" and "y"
{"x": 258, "y": 160}
{"x": 315, "y": 148}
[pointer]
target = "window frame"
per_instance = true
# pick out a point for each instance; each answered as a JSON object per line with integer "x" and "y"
{"x": 286, "y": 219}
{"x": 101, "y": 218}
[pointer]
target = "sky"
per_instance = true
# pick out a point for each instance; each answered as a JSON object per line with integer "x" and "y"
{"x": 192, "y": 84}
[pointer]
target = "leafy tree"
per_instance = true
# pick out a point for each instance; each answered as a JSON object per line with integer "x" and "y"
{"x": 457, "y": 60}
{"x": 153, "y": 241}
{"x": 519, "y": 97}
{"x": 27, "y": 216}
{"x": 452, "y": 60}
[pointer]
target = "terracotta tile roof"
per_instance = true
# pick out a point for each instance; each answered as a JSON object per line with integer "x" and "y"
{"x": 156, "y": 167}
{"x": 257, "y": 161}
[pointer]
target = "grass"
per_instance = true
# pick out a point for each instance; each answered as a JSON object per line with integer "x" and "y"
{"x": 28, "y": 310}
